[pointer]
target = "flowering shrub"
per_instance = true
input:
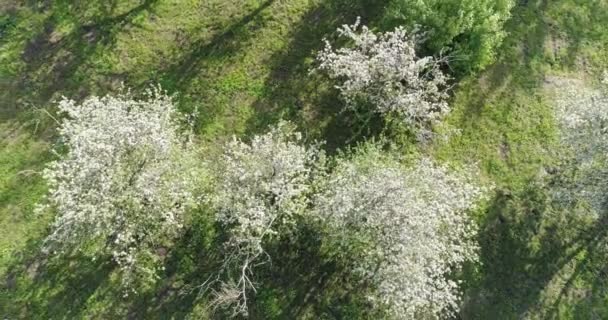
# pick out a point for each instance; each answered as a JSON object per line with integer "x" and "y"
{"x": 262, "y": 186}
{"x": 583, "y": 117}
{"x": 382, "y": 70}
{"x": 125, "y": 181}
{"x": 404, "y": 230}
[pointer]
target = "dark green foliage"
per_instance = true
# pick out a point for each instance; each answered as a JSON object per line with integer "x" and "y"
{"x": 470, "y": 31}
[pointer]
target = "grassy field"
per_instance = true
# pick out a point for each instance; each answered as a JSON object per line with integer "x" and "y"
{"x": 242, "y": 65}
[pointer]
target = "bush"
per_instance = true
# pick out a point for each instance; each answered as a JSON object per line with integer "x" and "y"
{"x": 404, "y": 230}
{"x": 583, "y": 117}
{"x": 262, "y": 187}
{"x": 125, "y": 182}
{"x": 382, "y": 71}
{"x": 471, "y": 30}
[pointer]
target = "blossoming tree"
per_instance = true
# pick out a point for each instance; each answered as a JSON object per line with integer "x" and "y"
{"x": 404, "y": 230}
{"x": 262, "y": 186}
{"x": 123, "y": 182}
{"x": 384, "y": 72}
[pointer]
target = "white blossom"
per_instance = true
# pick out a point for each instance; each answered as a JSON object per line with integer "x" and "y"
{"x": 582, "y": 113}
{"x": 383, "y": 70}
{"x": 408, "y": 227}
{"x": 262, "y": 186}
{"x": 125, "y": 180}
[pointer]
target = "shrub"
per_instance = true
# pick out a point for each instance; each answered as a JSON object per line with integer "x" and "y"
{"x": 124, "y": 183}
{"x": 384, "y": 72}
{"x": 582, "y": 114}
{"x": 404, "y": 230}
{"x": 472, "y": 30}
{"x": 262, "y": 186}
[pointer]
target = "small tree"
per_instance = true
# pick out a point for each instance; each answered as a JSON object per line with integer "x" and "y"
{"x": 472, "y": 30}
{"x": 124, "y": 183}
{"x": 383, "y": 71}
{"x": 404, "y": 230}
{"x": 262, "y": 186}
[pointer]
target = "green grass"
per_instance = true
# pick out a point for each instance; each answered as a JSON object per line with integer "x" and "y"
{"x": 244, "y": 65}
{"x": 21, "y": 159}
{"x": 538, "y": 262}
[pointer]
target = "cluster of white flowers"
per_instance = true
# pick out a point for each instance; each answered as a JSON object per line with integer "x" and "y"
{"x": 412, "y": 226}
{"x": 583, "y": 115}
{"x": 411, "y": 222}
{"x": 125, "y": 181}
{"x": 384, "y": 71}
{"x": 262, "y": 185}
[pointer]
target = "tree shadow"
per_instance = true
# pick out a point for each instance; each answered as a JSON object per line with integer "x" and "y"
{"x": 54, "y": 60}
{"x": 299, "y": 281}
{"x": 178, "y": 76}
{"x": 590, "y": 266}
{"x": 291, "y": 92}
{"x": 42, "y": 287}
{"x": 196, "y": 63}
{"x": 38, "y": 286}
{"x": 591, "y": 301}
{"x": 525, "y": 242}
{"x": 304, "y": 282}
{"x": 515, "y": 66}
{"x": 190, "y": 262}
{"x": 541, "y": 34}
